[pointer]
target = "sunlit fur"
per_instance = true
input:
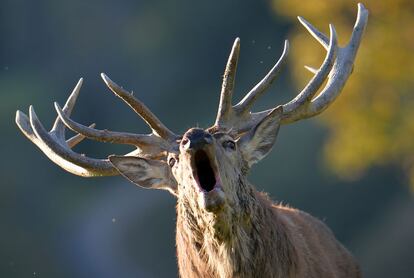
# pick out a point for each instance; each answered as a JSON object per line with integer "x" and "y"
{"x": 250, "y": 236}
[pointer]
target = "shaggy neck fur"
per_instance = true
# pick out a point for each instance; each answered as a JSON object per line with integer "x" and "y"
{"x": 238, "y": 241}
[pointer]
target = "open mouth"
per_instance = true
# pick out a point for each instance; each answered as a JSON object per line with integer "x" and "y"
{"x": 204, "y": 172}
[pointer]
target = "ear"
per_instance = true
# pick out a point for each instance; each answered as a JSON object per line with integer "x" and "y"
{"x": 258, "y": 142}
{"x": 145, "y": 172}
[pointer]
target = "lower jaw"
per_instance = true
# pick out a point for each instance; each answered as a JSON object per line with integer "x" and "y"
{"x": 213, "y": 201}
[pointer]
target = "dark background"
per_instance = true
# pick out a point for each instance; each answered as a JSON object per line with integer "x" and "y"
{"x": 172, "y": 55}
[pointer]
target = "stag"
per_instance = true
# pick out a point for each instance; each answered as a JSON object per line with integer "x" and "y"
{"x": 225, "y": 227}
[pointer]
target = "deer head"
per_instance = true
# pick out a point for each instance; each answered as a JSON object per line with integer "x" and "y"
{"x": 202, "y": 166}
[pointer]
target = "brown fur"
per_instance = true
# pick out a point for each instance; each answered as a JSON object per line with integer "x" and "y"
{"x": 265, "y": 240}
{"x": 229, "y": 229}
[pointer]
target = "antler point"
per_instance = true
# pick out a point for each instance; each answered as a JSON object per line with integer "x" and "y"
{"x": 105, "y": 78}
{"x": 286, "y": 48}
{"x": 311, "y": 69}
{"x": 361, "y": 6}
{"x": 57, "y": 106}
{"x": 19, "y": 115}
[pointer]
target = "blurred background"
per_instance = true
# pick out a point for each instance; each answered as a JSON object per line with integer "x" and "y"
{"x": 353, "y": 166}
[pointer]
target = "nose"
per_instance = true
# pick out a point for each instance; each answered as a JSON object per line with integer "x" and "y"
{"x": 196, "y": 139}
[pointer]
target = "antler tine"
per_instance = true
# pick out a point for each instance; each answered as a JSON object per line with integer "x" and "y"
{"x": 338, "y": 75}
{"x": 146, "y": 142}
{"x": 336, "y": 67}
{"x": 156, "y": 125}
{"x": 343, "y": 67}
{"x": 23, "y": 122}
{"x": 58, "y": 126}
{"x": 245, "y": 104}
{"x": 319, "y": 36}
{"x": 58, "y": 129}
{"x": 316, "y": 82}
{"x": 54, "y": 145}
{"x": 311, "y": 69}
{"x": 359, "y": 28}
{"x": 227, "y": 88}
{"x": 59, "y": 152}
{"x": 76, "y": 139}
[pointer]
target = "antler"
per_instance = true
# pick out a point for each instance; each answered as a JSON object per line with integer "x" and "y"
{"x": 336, "y": 67}
{"x": 54, "y": 145}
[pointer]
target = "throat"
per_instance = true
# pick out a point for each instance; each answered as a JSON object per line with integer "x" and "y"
{"x": 226, "y": 244}
{"x": 235, "y": 211}
{"x": 223, "y": 226}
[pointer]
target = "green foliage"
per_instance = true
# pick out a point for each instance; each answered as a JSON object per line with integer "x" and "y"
{"x": 372, "y": 123}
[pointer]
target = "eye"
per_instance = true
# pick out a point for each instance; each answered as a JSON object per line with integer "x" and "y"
{"x": 229, "y": 145}
{"x": 172, "y": 161}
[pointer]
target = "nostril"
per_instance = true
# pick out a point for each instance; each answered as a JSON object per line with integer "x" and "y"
{"x": 208, "y": 139}
{"x": 196, "y": 139}
{"x": 186, "y": 143}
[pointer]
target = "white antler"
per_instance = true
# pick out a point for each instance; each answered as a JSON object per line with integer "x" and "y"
{"x": 54, "y": 145}
{"x": 336, "y": 67}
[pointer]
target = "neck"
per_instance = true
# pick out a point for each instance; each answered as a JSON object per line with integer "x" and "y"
{"x": 234, "y": 242}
